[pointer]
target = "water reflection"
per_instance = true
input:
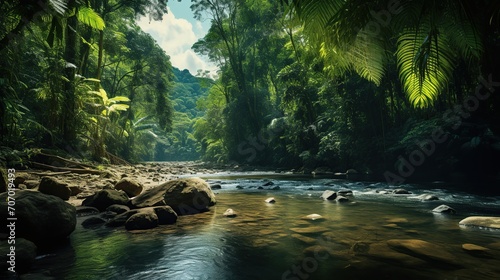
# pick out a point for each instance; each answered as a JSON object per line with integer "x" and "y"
{"x": 266, "y": 240}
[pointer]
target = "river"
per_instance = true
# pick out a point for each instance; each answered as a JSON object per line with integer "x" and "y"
{"x": 276, "y": 241}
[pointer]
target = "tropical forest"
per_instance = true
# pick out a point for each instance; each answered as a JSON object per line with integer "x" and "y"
{"x": 383, "y": 104}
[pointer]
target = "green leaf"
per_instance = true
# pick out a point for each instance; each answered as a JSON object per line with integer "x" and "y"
{"x": 89, "y": 17}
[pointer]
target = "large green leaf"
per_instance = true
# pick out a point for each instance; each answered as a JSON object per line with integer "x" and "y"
{"x": 89, "y": 17}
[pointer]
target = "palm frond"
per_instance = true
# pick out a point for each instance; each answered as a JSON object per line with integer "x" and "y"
{"x": 89, "y": 17}
{"x": 368, "y": 57}
{"x": 425, "y": 62}
{"x": 60, "y": 6}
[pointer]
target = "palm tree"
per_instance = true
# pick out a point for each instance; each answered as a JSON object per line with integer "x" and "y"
{"x": 425, "y": 39}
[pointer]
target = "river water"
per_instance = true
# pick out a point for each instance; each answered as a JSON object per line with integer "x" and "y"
{"x": 275, "y": 241}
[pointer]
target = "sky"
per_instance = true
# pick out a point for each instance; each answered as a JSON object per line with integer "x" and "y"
{"x": 177, "y": 33}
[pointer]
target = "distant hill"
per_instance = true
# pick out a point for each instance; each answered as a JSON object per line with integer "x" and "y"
{"x": 187, "y": 89}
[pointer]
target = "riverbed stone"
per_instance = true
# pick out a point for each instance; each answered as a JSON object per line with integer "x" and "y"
{"x": 400, "y": 191}
{"x": 341, "y": 199}
{"x": 41, "y": 218}
{"x": 105, "y": 198}
{"x": 309, "y": 230}
{"x": 55, "y": 187}
{"x": 130, "y": 186}
{"x": 25, "y": 254}
{"x": 86, "y": 210}
{"x": 329, "y": 195}
{"x": 166, "y": 215}
{"x": 481, "y": 222}
{"x": 444, "y": 209}
{"x": 476, "y": 250}
{"x": 230, "y": 213}
{"x": 143, "y": 219}
{"x": 427, "y": 197}
{"x": 424, "y": 250}
{"x": 185, "y": 196}
{"x": 270, "y": 200}
{"x": 313, "y": 217}
{"x": 117, "y": 208}
{"x": 345, "y": 193}
{"x": 216, "y": 187}
{"x": 92, "y": 222}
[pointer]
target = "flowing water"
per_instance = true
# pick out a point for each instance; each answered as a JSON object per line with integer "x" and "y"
{"x": 275, "y": 241}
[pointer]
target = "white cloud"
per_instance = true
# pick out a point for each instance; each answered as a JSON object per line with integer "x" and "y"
{"x": 176, "y": 36}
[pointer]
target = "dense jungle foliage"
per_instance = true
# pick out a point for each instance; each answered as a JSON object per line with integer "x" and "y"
{"x": 399, "y": 89}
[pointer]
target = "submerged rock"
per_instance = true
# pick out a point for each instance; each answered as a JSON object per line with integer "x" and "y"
{"x": 445, "y": 209}
{"x": 41, "y": 218}
{"x": 164, "y": 215}
{"x": 426, "y": 197}
{"x": 424, "y": 250}
{"x": 93, "y": 222}
{"x": 481, "y": 222}
{"x": 118, "y": 209}
{"x": 216, "y": 187}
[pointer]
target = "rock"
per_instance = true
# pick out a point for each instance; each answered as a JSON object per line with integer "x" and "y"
{"x": 166, "y": 215}
{"x": 345, "y": 193}
{"x": 117, "y": 208}
{"x": 476, "y": 250}
{"x": 426, "y": 197}
{"x": 270, "y": 200}
{"x": 130, "y": 186}
{"x": 41, "y": 218}
{"x": 260, "y": 188}
{"x": 105, "y": 198}
{"x": 445, "y": 209}
{"x": 239, "y": 187}
{"x": 185, "y": 196}
{"x": 341, "y": 199}
{"x": 93, "y": 222}
{"x": 25, "y": 254}
{"x": 229, "y": 213}
{"x": 108, "y": 215}
{"x": 308, "y": 230}
{"x": 31, "y": 184}
{"x": 313, "y": 217}
{"x": 86, "y": 210}
{"x": 52, "y": 186}
{"x": 267, "y": 184}
{"x": 329, "y": 195}
{"x": 216, "y": 187}
{"x": 75, "y": 190}
{"x": 276, "y": 188}
{"x": 481, "y": 222}
{"x": 424, "y": 250}
{"x": 323, "y": 170}
{"x": 305, "y": 239}
{"x": 400, "y": 191}
{"x": 144, "y": 219}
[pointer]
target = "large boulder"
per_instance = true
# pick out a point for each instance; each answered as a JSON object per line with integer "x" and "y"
{"x": 105, "y": 198}
{"x": 130, "y": 186}
{"x": 41, "y": 218}
{"x": 185, "y": 196}
{"x": 55, "y": 187}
